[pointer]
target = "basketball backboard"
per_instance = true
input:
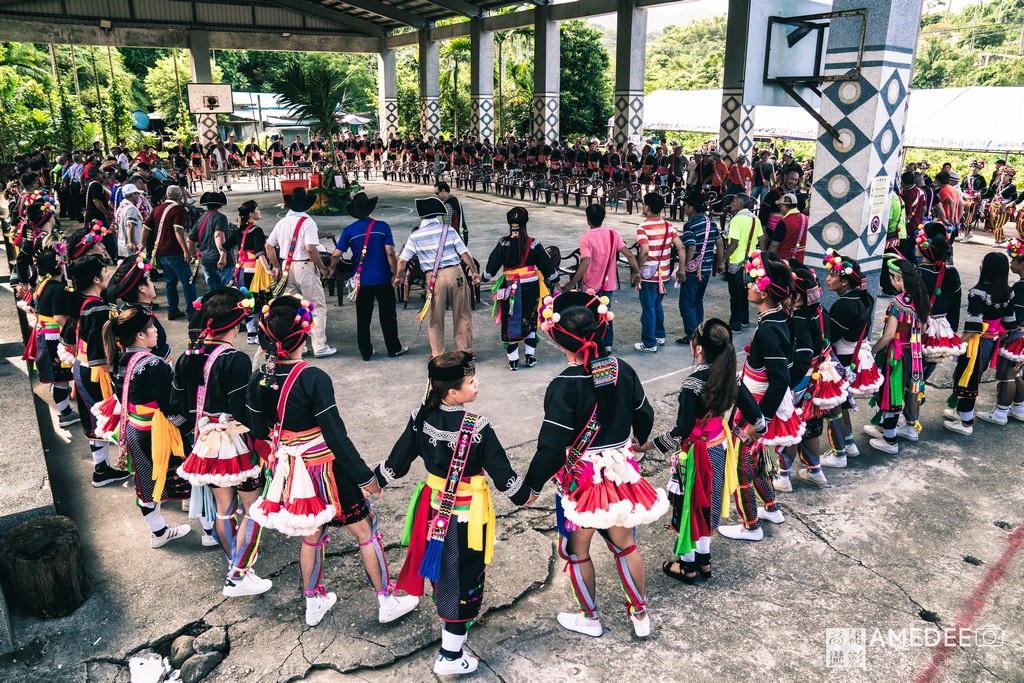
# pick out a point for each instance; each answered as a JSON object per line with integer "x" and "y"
{"x": 210, "y": 98}
{"x": 776, "y": 49}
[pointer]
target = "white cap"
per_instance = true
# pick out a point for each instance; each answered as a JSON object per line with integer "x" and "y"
{"x": 129, "y": 189}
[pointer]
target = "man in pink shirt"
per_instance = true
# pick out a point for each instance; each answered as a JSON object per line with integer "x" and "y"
{"x": 599, "y": 249}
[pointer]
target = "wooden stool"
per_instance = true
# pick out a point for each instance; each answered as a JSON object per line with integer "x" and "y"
{"x": 42, "y": 566}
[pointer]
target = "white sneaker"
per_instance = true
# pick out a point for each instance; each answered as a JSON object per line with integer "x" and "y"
{"x": 782, "y": 483}
{"x": 207, "y": 539}
{"x": 249, "y": 584}
{"x": 660, "y": 341}
{"x": 830, "y": 459}
{"x": 773, "y": 517}
{"x": 1017, "y": 414}
{"x": 184, "y": 506}
{"x": 317, "y": 607}
{"x": 738, "y": 532}
{"x": 908, "y": 432}
{"x": 169, "y": 534}
{"x": 884, "y": 446}
{"x": 959, "y": 427}
{"x": 574, "y": 621}
{"x": 329, "y": 351}
{"x": 816, "y": 478}
{"x": 641, "y": 627}
{"x": 950, "y": 414}
{"x": 874, "y": 431}
{"x": 396, "y": 606}
{"x": 454, "y": 667}
{"x": 639, "y": 346}
{"x": 851, "y": 449}
{"x": 992, "y": 417}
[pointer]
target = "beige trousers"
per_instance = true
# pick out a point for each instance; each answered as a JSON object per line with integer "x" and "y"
{"x": 303, "y": 279}
{"x": 451, "y": 287}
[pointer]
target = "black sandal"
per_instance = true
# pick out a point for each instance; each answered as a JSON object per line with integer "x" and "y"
{"x": 683, "y": 340}
{"x": 703, "y": 560}
{"x": 685, "y": 568}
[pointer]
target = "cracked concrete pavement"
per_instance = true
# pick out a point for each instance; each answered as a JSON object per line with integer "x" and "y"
{"x": 883, "y": 547}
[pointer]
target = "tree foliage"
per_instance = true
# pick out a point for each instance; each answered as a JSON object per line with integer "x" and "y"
{"x": 586, "y": 97}
{"x": 168, "y": 95}
{"x": 690, "y": 57}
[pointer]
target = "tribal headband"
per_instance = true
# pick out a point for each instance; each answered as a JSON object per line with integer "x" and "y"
{"x": 96, "y": 234}
{"x": 841, "y": 266}
{"x": 1015, "y": 248}
{"x": 49, "y": 205}
{"x": 757, "y": 271}
{"x": 551, "y": 322}
{"x": 300, "y": 328}
{"x": 216, "y": 324}
{"x": 451, "y": 373}
{"x": 893, "y": 264}
{"x": 132, "y": 277}
{"x": 137, "y": 323}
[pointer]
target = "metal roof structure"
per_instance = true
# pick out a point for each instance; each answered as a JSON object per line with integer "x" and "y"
{"x": 353, "y": 17}
{"x": 300, "y": 25}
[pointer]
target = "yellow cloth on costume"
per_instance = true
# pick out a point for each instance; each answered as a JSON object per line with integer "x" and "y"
{"x": 972, "y": 356}
{"x": 166, "y": 442}
{"x": 481, "y": 510}
{"x": 261, "y": 280}
{"x": 100, "y": 374}
{"x": 732, "y": 469}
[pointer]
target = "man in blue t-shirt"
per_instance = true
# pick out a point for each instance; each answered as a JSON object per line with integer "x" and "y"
{"x": 373, "y": 265}
{"x": 704, "y": 257}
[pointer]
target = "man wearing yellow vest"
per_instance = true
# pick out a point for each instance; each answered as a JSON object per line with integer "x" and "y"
{"x": 745, "y": 235}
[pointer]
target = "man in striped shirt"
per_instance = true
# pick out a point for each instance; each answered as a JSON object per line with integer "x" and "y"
{"x": 440, "y": 263}
{"x": 656, "y": 237}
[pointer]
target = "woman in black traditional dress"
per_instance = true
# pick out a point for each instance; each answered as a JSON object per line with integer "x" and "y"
{"x": 526, "y": 272}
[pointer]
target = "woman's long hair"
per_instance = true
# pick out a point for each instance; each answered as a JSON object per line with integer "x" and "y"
{"x": 116, "y": 338}
{"x": 916, "y": 289}
{"x": 995, "y": 277}
{"x": 720, "y": 388}
{"x": 245, "y": 211}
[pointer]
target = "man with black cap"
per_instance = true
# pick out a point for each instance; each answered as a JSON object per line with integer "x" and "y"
{"x": 208, "y": 241}
{"x": 297, "y": 236}
{"x": 440, "y": 250}
{"x": 374, "y": 262}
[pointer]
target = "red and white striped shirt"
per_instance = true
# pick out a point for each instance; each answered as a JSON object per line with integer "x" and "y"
{"x": 657, "y": 234}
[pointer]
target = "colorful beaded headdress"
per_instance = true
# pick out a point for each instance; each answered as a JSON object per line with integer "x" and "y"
{"x": 1015, "y": 248}
{"x": 757, "y": 272}
{"x": 977, "y": 163}
{"x": 841, "y": 266}
{"x": 217, "y": 324}
{"x": 295, "y": 336}
{"x": 583, "y": 343}
{"x": 1009, "y": 170}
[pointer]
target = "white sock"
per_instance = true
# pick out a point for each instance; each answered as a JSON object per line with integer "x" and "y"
{"x": 452, "y": 642}
{"x": 100, "y": 450}
{"x": 704, "y": 545}
{"x": 1001, "y": 411}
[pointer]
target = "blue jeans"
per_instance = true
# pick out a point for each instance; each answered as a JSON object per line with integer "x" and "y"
{"x": 217, "y": 277}
{"x": 176, "y": 270}
{"x": 691, "y": 301}
{"x": 759, "y": 192}
{"x": 652, "y": 314}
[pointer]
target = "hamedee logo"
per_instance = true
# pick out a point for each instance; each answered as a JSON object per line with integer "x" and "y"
{"x": 846, "y": 648}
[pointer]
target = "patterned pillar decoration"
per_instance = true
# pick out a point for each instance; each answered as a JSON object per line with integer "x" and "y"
{"x": 481, "y": 114}
{"x": 545, "y": 116}
{"x": 854, "y": 175}
{"x": 737, "y": 124}
{"x": 629, "y": 115}
{"x": 387, "y": 92}
{"x": 430, "y": 116}
{"x": 389, "y": 116}
{"x": 630, "y": 49}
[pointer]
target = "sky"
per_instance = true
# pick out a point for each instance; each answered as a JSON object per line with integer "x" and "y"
{"x": 676, "y": 13}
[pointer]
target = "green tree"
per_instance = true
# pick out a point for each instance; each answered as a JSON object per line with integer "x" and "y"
{"x": 453, "y": 83}
{"x": 586, "y": 98}
{"x": 690, "y": 57}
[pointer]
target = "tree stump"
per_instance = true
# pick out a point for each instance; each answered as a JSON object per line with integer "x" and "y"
{"x": 42, "y": 567}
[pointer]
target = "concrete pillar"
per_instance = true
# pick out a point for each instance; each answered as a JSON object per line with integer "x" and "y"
{"x": 630, "y": 53}
{"x": 735, "y": 137}
{"x": 547, "y": 64}
{"x": 481, "y": 80}
{"x": 854, "y": 175}
{"x": 202, "y": 72}
{"x": 430, "y": 88}
{"x": 387, "y": 92}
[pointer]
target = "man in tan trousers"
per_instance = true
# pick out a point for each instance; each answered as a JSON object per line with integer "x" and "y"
{"x": 440, "y": 249}
{"x": 297, "y": 238}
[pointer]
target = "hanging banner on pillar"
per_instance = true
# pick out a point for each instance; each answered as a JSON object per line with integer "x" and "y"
{"x": 879, "y": 208}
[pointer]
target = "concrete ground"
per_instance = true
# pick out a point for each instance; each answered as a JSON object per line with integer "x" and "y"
{"x": 895, "y": 549}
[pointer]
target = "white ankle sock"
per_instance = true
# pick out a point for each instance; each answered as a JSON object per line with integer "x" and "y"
{"x": 1001, "y": 411}
{"x": 451, "y": 642}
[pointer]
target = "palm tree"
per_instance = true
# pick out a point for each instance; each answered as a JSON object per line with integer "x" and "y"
{"x": 317, "y": 95}
{"x": 454, "y": 53}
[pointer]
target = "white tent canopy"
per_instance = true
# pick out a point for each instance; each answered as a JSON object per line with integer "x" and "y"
{"x": 973, "y": 118}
